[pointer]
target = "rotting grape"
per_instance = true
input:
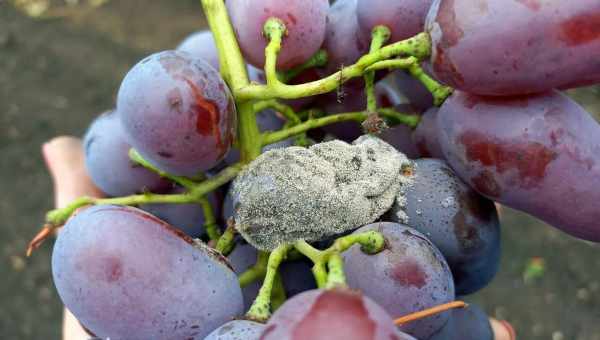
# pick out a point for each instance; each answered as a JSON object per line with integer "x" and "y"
{"x": 296, "y": 193}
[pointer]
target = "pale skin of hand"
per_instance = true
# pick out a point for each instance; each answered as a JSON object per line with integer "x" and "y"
{"x": 65, "y": 161}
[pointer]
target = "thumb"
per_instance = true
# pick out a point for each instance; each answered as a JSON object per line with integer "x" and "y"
{"x": 65, "y": 161}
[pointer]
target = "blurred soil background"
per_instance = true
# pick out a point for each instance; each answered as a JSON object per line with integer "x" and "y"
{"x": 61, "y": 63}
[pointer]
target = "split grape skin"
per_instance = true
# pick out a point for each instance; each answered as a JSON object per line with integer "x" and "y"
{"x": 337, "y": 313}
{"x": 543, "y": 45}
{"x": 460, "y": 222}
{"x": 538, "y": 154}
{"x": 107, "y": 160}
{"x": 102, "y": 272}
{"x": 303, "y": 19}
{"x": 177, "y": 112}
{"x": 425, "y": 136}
{"x": 404, "y": 18}
{"x": 237, "y": 330}
{"x": 409, "y": 275}
{"x": 470, "y": 323}
{"x": 201, "y": 45}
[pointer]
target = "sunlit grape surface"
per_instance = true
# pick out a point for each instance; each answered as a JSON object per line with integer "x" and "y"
{"x": 59, "y": 70}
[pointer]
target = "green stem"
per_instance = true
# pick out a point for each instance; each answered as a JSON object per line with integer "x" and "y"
{"x": 233, "y": 67}
{"x": 318, "y": 59}
{"x": 225, "y": 242}
{"x": 136, "y": 157}
{"x": 336, "y": 277}
{"x": 58, "y": 217}
{"x": 210, "y": 222}
{"x": 278, "y": 296}
{"x": 273, "y": 137}
{"x": 396, "y": 117}
{"x": 412, "y": 65}
{"x": 274, "y": 31}
{"x": 261, "y": 308}
{"x": 286, "y": 110}
{"x": 379, "y": 36}
{"x": 257, "y": 271}
{"x": 371, "y": 242}
{"x": 418, "y": 46}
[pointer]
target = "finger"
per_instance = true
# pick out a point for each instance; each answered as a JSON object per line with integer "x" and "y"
{"x": 65, "y": 161}
{"x": 503, "y": 330}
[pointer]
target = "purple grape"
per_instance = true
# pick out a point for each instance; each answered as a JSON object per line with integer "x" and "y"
{"x": 331, "y": 314}
{"x": 342, "y": 42}
{"x": 304, "y": 20}
{"x": 108, "y": 164}
{"x": 537, "y": 45}
{"x": 408, "y": 276}
{"x": 539, "y": 154}
{"x": 404, "y": 18}
{"x": 462, "y": 224}
{"x": 237, "y": 330}
{"x": 127, "y": 275}
{"x": 425, "y": 136}
{"x": 188, "y": 218}
{"x": 470, "y": 323}
{"x": 201, "y": 45}
{"x": 177, "y": 112}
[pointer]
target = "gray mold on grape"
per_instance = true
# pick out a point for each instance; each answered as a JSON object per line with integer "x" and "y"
{"x": 297, "y": 193}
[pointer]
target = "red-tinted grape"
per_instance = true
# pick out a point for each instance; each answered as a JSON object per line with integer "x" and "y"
{"x": 404, "y": 18}
{"x": 497, "y": 47}
{"x": 331, "y": 314}
{"x": 409, "y": 275}
{"x": 177, "y": 112}
{"x": 304, "y": 20}
{"x": 539, "y": 154}
{"x": 425, "y": 136}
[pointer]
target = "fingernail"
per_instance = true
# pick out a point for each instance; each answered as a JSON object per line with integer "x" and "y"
{"x": 510, "y": 329}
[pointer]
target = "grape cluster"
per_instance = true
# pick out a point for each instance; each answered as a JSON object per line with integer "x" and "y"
{"x": 243, "y": 192}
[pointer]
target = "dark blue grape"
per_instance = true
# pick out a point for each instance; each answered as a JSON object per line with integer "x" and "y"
{"x": 470, "y": 323}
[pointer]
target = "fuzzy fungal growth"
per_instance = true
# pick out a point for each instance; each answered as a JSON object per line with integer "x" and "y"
{"x": 296, "y": 193}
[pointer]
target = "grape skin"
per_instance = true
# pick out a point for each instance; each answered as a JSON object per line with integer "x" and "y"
{"x": 409, "y": 275}
{"x": 425, "y": 136}
{"x": 544, "y": 45}
{"x": 342, "y": 43}
{"x": 470, "y": 323}
{"x": 404, "y": 18}
{"x": 237, "y": 330}
{"x": 304, "y": 20}
{"x": 202, "y": 45}
{"x": 461, "y": 223}
{"x": 538, "y": 154}
{"x": 177, "y": 112}
{"x": 331, "y": 314}
{"x": 107, "y": 160}
{"x": 127, "y": 275}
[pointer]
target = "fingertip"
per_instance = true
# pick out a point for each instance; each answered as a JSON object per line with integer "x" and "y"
{"x": 503, "y": 330}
